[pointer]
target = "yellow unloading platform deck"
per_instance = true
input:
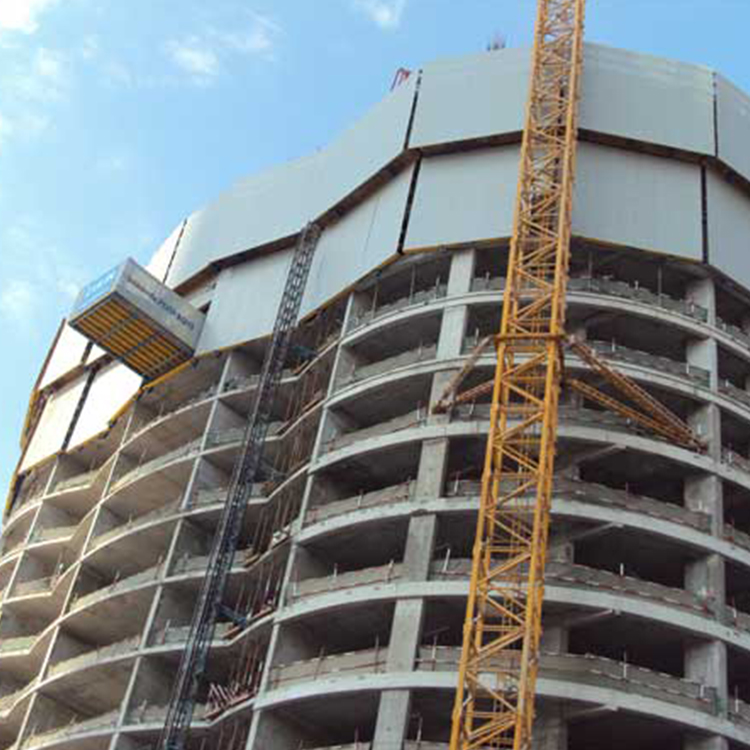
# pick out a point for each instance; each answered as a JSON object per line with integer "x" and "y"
{"x": 138, "y": 320}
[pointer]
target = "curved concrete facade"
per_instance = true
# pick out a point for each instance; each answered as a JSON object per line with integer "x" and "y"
{"x": 346, "y": 601}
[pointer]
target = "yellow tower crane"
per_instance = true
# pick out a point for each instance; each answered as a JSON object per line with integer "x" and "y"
{"x": 494, "y": 705}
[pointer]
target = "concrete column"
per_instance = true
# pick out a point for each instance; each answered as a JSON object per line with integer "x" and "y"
{"x": 705, "y": 742}
{"x": 452, "y": 332}
{"x": 461, "y": 272}
{"x": 555, "y": 636}
{"x": 406, "y": 630}
{"x": 703, "y": 292}
{"x": 706, "y": 661}
{"x": 550, "y": 728}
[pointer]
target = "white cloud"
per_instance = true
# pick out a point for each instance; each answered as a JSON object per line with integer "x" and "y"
{"x": 259, "y": 39}
{"x": 202, "y": 57}
{"x": 22, "y": 15}
{"x": 17, "y": 299}
{"x": 384, "y": 13}
{"x": 111, "y": 165}
{"x": 34, "y": 274}
{"x": 43, "y": 78}
{"x": 6, "y": 129}
{"x": 194, "y": 57}
{"x": 90, "y": 47}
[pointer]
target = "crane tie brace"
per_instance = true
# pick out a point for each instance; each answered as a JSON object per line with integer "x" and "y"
{"x": 494, "y": 705}
{"x": 208, "y": 607}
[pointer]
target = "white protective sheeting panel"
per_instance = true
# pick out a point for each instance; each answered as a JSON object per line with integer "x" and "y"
{"x": 364, "y": 149}
{"x": 260, "y": 209}
{"x": 471, "y": 97}
{"x": 279, "y": 202}
{"x": 647, "y": 98}
{"x": 464, "y": 197}
{"x": 53, "y": 425}
{"x": 159, "y": 262}
{"x": 638, "y": 200}
{"x": 68, "y": 353}
{"x": 728, "y": 229}
{"x": 245, "y": 303}
{"x": 733, "y": 115}
{"x": 111, "y": 388}
{"x": 358, "y": 243}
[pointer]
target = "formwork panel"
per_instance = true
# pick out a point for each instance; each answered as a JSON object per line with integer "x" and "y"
{"x": 471, "y": 97}
{"x": 263, "y": 208}
{"x": 728, "y": 229}
{"x": 464, "y": 197}
{"x": 68, "y": 353}
{"x": 648, "y": 99}
{"x": 358, "y": 243}
{"x": 365, "y": 148}
{"x": 638, "y": 200}
{"x": 733, "y": 116}
{"x": 279, "y": 202}
{"x": 245, "y": 302}
{"x": 53, "y": 424}
{"x": 111, "y": 388}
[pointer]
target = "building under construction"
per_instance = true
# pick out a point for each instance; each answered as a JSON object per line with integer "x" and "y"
{"x": 342, "y": 616}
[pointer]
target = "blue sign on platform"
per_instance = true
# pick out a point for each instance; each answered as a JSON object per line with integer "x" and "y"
{"x": 95, "y": 290}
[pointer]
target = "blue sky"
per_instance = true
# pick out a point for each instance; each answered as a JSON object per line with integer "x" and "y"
{"x": 120, "y": 117}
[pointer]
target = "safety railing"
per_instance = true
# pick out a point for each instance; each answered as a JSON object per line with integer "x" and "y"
{"x": 79, "y": 481}
{"x": 636, "y": 293}
{"x": 19, "y": 643}
{"x": 420, "y": 297}
{"x": 337, "y": 581}
{"x": 128, "y": 645}
{"x": 51, "y": 534}
{"x": 402, "y": 422}
{"x": 165, "y": 413}
{"x": 75, "y": 727}
{"x": 188, "y": 563}
{"x": 736, "y": 536}
{"x": 422, "y": 353}
{"x": 37, "y": 586}
{"x": 735, "y": 460}
{"x": 156, "y": 463}
{"x": 352, "y": 662}
{"x": 611, "y": 287}
{"x": 217, "y": 438}
{"x": 593, "y": 670}
{"x": 138, "y": 522}
{"x": 589, "y": 492}
{"x": 388, "y": 495}
{"x": 612, "y": 350}
{"x": 734, "y": 332}
{"x": 10, "y": 699}
{"x": 730, "y": 389}
{"x": 147, "y": 713}
{"x": 117, "y": 586}
{"x": 175, "y": 634}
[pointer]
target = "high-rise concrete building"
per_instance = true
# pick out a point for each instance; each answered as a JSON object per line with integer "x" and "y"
{"x": 345, "y": 605}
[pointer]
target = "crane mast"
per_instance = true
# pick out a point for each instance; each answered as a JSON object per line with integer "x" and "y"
{"x": 494, "y": 705}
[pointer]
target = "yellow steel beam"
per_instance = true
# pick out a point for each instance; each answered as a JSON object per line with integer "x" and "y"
{"x": 494, "y": 705}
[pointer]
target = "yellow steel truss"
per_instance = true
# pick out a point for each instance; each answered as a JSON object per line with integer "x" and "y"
{"x": 495, "y": 698}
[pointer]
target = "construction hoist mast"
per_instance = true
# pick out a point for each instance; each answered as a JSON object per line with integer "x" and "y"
{"x": 494, "y": 705}
{"x": 203, "y": 624}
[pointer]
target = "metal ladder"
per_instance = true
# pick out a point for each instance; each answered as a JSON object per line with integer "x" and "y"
{"x": 194, "y": 657}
